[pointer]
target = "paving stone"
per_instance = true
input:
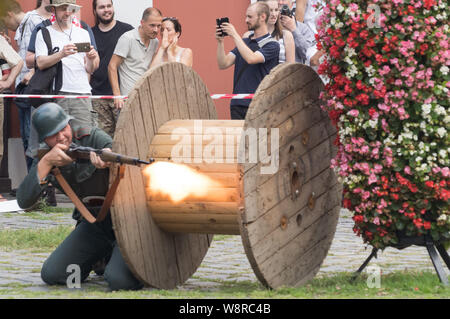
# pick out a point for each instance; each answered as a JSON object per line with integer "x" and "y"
{"x": 224, "y": 261}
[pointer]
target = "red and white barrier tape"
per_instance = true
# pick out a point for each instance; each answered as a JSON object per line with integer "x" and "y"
{"x": 109, "y": 97}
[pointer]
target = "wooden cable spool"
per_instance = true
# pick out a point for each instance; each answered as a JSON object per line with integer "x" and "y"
{"x": 286, "y": 218}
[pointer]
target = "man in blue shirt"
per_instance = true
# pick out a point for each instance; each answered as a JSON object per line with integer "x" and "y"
{"x": 253, "y": 57}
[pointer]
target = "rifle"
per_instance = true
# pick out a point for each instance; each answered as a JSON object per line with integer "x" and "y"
{"x": 82, "y": 153}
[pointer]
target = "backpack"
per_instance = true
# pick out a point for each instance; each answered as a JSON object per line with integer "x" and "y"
{"x": 42, "y": 81}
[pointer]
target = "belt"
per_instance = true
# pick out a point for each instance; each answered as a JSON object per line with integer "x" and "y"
{"x": 107, "y": 201}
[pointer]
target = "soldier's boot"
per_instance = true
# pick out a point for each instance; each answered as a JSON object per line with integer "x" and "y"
{"x": 99, "y": 266}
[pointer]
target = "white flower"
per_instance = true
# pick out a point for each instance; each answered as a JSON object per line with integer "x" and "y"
{"x": 440, "y": 110}
{"x": 426, "y": 109}
{"x": 349, "y": 51}
{"x": 443, "y": 153}
{"x": 352, "y": 71}
{"x": 340, "y": 8}
{"x": 441, "y": 132}
{"x": 370, "y": 70}
{"x": 444, "y": 70}
{"x": 348, "y": 60}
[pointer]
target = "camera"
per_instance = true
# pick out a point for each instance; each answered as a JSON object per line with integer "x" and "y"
{"x": 219, "y": 22}
{"x": 286, "y": 11}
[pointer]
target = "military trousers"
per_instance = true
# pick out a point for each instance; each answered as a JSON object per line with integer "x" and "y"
{"x": 85, "y": 245}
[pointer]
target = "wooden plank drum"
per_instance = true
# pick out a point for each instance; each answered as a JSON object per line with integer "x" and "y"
{"x": 267, "y": 179}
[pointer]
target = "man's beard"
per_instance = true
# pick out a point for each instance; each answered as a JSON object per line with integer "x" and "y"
{"x": 61, "y": 23}
{"x": 253, "y": 27}
{"x": 104, "y": 21}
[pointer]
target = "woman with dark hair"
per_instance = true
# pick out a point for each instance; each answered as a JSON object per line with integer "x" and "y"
{"x": 169, "y": 51}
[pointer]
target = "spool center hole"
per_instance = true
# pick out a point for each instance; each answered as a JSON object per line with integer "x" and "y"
{"x": 295, "y": 183}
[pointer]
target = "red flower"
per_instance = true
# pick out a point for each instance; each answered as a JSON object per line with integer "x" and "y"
{"x": 340, "y": 42}
{"x": 364, "y": 34}
{"x": 413, "y": 187}
{"x": 348, "y": 89}
{"x": 356, "y": 27}
{"x": 334, "y": 52}
{"x": 335, "y": 69}
{"x": 429, "y": 3}
{"x": 418, "y": 222}
{"x": 358, "y": 218}
{"x": 429, "y": 184}
{"x": 444, "y": 194}
{"x": 363, "y": 99}
{"x": 427, "y": 225}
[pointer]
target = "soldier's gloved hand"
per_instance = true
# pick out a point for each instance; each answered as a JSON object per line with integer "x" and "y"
{"x": 97, "y": 161}
{"x": 57, "y": 156}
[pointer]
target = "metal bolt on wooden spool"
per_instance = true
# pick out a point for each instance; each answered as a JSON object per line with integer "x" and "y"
{"x": 286, "y": 237}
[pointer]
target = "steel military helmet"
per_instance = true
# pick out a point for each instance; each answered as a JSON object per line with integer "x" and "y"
{"x": 49, "y": 119}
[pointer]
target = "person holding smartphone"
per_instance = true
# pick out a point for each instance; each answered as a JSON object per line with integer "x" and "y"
{"x": 253, "y": 56}
{"x": 76, "y": 66}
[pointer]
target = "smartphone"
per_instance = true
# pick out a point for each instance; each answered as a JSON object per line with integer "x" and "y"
{"x": 219, "y": 22}
{"x": 83, "y": 46}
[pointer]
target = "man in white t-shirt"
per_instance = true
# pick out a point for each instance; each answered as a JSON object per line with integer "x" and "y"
{"x": 76, "y": 66}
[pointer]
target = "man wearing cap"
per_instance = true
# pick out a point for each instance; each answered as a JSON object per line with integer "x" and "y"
{"x": 88, "y": 243}
{"x": 76, "y": 66}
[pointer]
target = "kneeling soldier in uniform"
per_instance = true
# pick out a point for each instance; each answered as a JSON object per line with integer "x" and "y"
{"x": 88, "y": 243}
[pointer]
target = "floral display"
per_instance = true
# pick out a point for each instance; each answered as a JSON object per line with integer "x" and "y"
{"x": 388, "y": 94}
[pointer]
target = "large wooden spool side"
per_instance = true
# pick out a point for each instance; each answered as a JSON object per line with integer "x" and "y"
{"x": 290, "y": 217}
{"x": 160, "y": 259}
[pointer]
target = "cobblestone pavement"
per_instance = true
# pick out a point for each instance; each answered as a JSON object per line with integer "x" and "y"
{"x": 225, "y": 260}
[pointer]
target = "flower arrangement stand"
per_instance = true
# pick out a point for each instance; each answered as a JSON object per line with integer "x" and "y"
{"x": 424, "y": 241}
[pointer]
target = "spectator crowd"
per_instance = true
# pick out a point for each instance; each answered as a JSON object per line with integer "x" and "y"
{"x": 116, "y": 55}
